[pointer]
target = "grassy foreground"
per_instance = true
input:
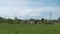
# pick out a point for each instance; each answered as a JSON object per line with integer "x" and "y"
{"x": 29, "y": 29}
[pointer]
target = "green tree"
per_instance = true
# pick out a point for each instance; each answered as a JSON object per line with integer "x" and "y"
{"x": 42, "y": 19}
{"x": 2, "y": 20}
{"x": 10, "y": 21}
{"x": 17, "y": 21}
{"x": 59, "y": 19}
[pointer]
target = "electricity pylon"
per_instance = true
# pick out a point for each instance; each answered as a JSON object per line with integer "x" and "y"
{"x": 50, "y": 15}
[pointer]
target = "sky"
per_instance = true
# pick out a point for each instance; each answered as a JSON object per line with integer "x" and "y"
{"x": 25, "y": 9}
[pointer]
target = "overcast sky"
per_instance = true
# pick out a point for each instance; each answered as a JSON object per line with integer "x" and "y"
{"x": 25, "y": 9}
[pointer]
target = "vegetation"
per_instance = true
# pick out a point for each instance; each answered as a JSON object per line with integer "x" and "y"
{"x": 29, "y": 29}
{"x": 29, "y": 21}
{"x": 30, "y": 26}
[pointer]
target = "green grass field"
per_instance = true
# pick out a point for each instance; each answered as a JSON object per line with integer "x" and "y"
{"x": 29, "y": 29}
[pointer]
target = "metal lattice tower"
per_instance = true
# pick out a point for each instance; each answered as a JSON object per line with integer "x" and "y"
{"x": 50, "y": 15}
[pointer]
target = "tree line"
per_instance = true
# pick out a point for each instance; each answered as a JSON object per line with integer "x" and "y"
{"x": 29, "y": 21}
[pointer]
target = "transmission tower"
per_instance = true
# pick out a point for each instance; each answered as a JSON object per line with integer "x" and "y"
{"x": 50, "y": 15}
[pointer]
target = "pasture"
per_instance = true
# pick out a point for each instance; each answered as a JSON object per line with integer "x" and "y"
{"x": 29, "y": 29}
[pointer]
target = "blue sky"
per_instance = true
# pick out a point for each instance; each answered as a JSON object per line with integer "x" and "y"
{"x": 25, "y": 9}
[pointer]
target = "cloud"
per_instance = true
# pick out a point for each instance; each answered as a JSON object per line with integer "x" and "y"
{"x": 25, "y": 9}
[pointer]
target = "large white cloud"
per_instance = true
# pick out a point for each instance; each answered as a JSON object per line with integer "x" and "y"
{"x": 25, "y": 9}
